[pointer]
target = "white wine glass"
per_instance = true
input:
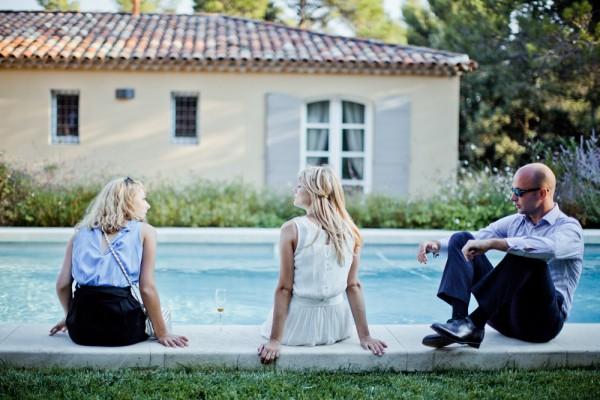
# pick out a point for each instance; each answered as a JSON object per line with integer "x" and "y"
{"x": 220, "y": 298}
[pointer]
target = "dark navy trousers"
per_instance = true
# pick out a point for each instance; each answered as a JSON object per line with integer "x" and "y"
{"x": 518, "y": 294}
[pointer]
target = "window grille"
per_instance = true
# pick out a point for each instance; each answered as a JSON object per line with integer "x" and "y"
{"x": 65, "y": 116}
{"x": 185, "y": 118}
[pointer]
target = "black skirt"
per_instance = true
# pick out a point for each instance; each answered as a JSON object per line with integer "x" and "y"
{"x": 105, "y": 316}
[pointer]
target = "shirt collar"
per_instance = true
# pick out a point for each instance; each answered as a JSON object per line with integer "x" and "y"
{"x": 550, "y": 217}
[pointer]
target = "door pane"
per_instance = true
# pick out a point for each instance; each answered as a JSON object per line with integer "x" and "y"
{"x": 317, "y": 160}
{"x": 318, "y": 112}
{"x": 353, "y": 168}
{"x": 353, "y": 113}
{"x": 317, "y": 140}
{"x": 353, "y": 140}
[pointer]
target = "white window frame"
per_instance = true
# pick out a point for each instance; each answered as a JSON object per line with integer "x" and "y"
{"x": 335, "y": 126}
{"x": 184, "y": 140}
{"x": 54, "y": 137}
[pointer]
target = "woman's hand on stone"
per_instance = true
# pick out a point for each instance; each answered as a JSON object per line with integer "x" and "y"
{"x": 60, "y": 327}
{"x": 376, "y": 346}
{"x": 171, "y": 340}
{"x": 269, "y": 351}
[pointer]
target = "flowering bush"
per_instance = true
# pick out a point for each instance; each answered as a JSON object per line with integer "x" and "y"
{"x": 474, "y": 200}
{"x": 578, "y": 189}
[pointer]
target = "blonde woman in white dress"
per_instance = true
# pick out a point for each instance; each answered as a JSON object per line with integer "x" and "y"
{"x": 319, "y": 260}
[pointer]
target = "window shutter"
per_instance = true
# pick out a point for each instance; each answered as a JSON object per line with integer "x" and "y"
{"x": 282, "y": 139}
{"x": 391, "y": 146}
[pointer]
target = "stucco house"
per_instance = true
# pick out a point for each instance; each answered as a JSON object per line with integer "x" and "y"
{"x": 217, "y": 97}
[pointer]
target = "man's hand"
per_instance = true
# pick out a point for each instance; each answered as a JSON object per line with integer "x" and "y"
{"x": 427, "y": 247}
{"x": 474, "y": 248}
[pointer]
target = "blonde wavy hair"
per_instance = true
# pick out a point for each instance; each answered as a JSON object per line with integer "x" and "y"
{"x": 113, "y": 207}
{"x": 328, "y": 206}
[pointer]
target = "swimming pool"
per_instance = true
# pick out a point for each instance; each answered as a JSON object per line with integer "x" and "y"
{"x": 397, "y": 289}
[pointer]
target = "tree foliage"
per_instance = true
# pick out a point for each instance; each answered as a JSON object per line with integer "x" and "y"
{"x": 256, "y": 9}
{"x": 147, "y": 6}
{"x": 539, "y": 70}
{"x": 59, "y": 5}
{"x": 365, "y": 18}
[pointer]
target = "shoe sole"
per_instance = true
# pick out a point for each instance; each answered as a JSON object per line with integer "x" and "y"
{"x": 455, "y": 339}
{"x": 439, "y": 343}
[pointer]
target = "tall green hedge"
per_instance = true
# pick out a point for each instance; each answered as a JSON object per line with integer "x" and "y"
{"x": 476, "y": 199}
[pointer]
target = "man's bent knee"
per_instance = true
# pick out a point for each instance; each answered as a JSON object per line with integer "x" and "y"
{"x": 520, "y": 262}
{"x": 459, "y": 239}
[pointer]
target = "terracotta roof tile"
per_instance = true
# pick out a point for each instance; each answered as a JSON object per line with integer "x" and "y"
{"x": 202, "y": 42}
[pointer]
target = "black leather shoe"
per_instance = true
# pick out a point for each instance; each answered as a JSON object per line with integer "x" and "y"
{"x": 461, "y": 331}
{"x": 436, "y": 341}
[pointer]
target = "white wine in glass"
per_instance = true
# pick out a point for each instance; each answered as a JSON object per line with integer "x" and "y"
{"x": 220, "y": 296}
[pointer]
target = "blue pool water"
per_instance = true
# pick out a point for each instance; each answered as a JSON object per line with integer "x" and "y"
{"x": 397, "y": 289}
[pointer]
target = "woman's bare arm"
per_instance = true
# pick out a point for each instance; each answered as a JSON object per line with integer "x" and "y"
{"x": 149, "y": 292}
{"x": 64, "y": 284}
{"x": 283, "y": 292}
{"x": 357, "y": 305}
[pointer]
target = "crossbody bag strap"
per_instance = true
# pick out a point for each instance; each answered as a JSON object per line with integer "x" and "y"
{"x": 118, "y": 259}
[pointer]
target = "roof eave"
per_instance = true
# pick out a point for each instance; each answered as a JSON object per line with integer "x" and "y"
{"x": 248, "y": 65}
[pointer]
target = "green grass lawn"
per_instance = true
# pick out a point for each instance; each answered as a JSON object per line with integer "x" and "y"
{"x": 193, "y": 383}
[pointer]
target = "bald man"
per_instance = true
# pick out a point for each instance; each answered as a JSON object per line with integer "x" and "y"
{"x": 528, "y": 295}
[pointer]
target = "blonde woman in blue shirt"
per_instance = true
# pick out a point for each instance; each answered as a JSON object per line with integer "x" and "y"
{"x": 319, "y": 261}
{"x": 103, "y": 311}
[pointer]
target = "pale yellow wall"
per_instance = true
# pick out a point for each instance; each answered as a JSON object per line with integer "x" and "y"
{"x": 133, "y": 137}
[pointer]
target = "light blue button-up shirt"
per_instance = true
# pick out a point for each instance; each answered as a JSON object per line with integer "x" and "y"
{"x": 93, "y": 264}
{"x": 556, "y": 239}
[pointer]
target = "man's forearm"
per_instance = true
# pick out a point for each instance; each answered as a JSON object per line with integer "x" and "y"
{"x": 498, "y": 244}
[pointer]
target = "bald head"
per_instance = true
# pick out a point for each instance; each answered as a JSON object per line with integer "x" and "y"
{"x": 537, "y": 175}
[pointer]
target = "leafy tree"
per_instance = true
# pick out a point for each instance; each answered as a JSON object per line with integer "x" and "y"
{"x": 146, "y": 6}
{"x": 59, "y": 5}
{"x": 539, "y": 70}
{"x": 366, "y": 18}
{"x": 273, "y": 12}
{"x": 369, "y": 19}
{"x": 256, "y": 9}
{"x": 423, "y": 25}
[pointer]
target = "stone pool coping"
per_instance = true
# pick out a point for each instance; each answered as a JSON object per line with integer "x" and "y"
{"x": 28, "y": 345}
{"x": 243, "y": 235}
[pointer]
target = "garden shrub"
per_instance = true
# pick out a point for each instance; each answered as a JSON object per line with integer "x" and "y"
{"x": 473, "y": 201}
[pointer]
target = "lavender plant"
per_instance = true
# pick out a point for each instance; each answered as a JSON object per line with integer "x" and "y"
{"x": 578, "y": 185}
{"x": 475, "y": 199}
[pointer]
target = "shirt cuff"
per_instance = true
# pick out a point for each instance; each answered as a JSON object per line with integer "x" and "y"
{"x": 515, "y": 245}
{"x": 444, "y": 244}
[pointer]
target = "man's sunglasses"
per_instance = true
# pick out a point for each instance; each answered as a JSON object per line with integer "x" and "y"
{"x": 520, "y": 192}
{"x": 128, "y": 180}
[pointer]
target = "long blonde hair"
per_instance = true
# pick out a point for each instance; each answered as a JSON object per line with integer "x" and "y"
{"x": 328, "y": 206}
{"x": 113, "y": 207}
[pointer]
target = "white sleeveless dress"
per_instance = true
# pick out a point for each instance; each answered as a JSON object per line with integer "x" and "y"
{"x": 319, "y": 312}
